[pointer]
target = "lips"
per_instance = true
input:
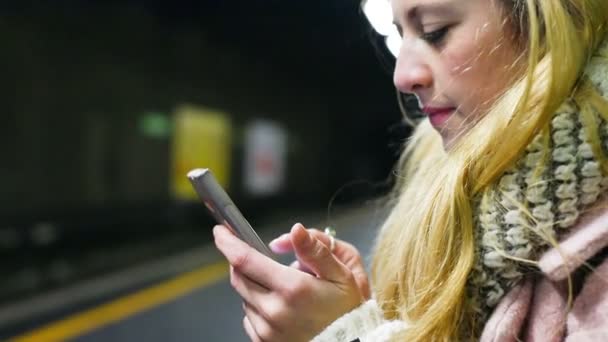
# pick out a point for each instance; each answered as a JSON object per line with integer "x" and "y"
{"x": 438, "y": 115}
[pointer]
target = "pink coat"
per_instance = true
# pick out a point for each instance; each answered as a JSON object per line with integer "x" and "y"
{"x": 537, "y": 310}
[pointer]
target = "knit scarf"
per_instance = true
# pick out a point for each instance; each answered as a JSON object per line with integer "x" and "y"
{"x": 538, "y": 199}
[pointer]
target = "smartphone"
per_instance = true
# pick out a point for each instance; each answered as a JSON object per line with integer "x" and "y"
{"x": 223, "y": 209}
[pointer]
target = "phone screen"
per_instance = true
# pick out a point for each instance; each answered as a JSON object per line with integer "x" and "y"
{"x": 223, "y": 209}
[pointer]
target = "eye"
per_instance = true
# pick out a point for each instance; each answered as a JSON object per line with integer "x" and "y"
{"x": 435, "y": 37}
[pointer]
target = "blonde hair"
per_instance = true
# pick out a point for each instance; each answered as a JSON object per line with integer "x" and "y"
{"x": 426, "y": 248}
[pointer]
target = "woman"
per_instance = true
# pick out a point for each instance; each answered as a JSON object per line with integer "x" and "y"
{"x": 492, "y": 233}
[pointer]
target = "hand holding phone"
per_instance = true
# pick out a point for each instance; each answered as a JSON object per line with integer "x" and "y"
{"x": 223, "y": 209}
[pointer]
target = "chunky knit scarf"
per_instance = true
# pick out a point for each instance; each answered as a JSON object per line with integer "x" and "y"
{"x": 538, "y": 199}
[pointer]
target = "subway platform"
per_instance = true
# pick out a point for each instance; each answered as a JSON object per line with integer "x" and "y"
{"x": 184, "y": 297}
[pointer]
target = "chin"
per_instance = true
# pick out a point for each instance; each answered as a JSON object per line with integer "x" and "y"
{"x": 448, "y": 142}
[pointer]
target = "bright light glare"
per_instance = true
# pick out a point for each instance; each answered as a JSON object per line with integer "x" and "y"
{"x": 380, "y": 15}
{"x": 393, "y": 42}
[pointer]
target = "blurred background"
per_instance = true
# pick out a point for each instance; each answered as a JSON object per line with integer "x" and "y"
{"x": 107, "y": 104}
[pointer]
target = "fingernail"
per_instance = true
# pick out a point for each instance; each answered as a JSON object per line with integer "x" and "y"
{"x": 272, "y": 247}
{"x": 273, "y": 244}
{"x": 216, "y": 230}
{"x": 275, "y": 249}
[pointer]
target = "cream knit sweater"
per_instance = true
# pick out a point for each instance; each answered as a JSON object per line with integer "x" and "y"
{"x": 556, "y": 185}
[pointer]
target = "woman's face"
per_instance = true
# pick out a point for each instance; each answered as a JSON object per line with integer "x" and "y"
{"x": 456, "y": 56}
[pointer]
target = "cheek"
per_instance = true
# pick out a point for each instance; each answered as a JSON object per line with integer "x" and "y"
{"x": 466, "y": 78}
{"x": 476, "y": 76}
{"x": 461, "y": 58}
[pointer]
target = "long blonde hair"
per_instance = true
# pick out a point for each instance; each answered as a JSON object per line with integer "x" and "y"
{"x": 426, "y": 250}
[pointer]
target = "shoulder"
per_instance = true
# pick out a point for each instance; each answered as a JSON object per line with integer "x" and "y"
{"x": 589, "y": 314}
{"x": 586, "y": 239}
{"x": 597, "y": 212}
{"x": 588, "y": 319}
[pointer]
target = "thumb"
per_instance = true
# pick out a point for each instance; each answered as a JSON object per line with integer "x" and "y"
{"x": 314, "y": 255}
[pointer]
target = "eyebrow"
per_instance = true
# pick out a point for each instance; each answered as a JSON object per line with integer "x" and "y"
{"x": 436, "y": 8}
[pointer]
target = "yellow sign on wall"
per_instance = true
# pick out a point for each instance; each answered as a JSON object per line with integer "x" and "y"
{"x": 201, "y": 139}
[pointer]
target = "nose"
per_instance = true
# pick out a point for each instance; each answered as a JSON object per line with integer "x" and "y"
{"x": 412, "y": 73}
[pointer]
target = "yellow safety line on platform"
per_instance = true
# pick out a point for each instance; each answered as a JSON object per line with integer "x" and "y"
{"x": 82, "y": 323}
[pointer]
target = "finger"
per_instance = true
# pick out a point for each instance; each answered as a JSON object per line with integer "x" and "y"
{"x": 313, "y": 254}
{"x": 249, "y": 290}
{"x": 363, "y": 283}
{"x": 343, "y": 250}
{"x": 298, "y": 266}
{"x": 260, "y": 325}
{"x": 321, "y": 236}
{"x": 281, "y": 245}
{"x": 256, "y": 266}
{"x": 350, "y": 257}
{"x": 253, "y": 336}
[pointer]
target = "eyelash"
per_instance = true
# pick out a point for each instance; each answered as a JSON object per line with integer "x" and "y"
{"x": 435, "y": 37}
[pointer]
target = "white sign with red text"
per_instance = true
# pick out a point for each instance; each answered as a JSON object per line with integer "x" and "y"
{"x": 265, "y": 158}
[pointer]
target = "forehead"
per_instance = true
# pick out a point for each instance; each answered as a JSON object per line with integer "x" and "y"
{"x": 424, "y": 5}
{"x": 414, "y": 8}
